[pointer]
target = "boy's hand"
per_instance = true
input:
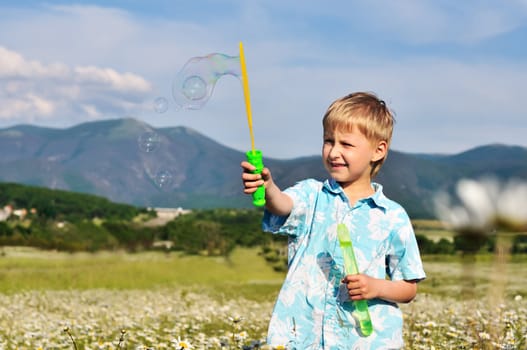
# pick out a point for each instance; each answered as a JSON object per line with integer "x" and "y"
{"x": 276, "y": 201}
{"x": 365, "y": 287}
{"x": 251, "y": 181}
{"x": 361, "y": 286}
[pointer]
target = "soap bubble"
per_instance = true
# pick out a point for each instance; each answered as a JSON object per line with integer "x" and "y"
{"x": 163, "y": 179}
{"x": 148, "y": 141}
{"x": 193, "y": 85}
{"x": 160, "y": 105}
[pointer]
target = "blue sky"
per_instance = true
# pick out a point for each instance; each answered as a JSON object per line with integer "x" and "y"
{"x": 454, "y": 72}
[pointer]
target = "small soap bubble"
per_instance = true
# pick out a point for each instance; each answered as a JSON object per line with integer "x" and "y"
{"x": 163, "y": 179}
{"x": 194, "y": 88}
{"x": 148, "y": 141}
{"x": 194, "y": 84}
{"x": 160, "y": 105}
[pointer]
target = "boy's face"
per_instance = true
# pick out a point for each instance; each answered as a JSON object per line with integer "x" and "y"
{"x": 348, "y": 155}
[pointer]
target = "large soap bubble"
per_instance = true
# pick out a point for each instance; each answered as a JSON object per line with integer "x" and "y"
{"x": 193, "y": 85}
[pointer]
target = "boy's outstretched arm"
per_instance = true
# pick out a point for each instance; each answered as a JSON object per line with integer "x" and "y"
{"x": 362, "y": 286}
{"x": 276, "y": 202}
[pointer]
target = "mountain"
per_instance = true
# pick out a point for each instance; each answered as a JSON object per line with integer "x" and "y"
{"x": 129, "y": 161}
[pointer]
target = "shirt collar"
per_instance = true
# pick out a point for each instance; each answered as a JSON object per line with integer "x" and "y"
{"x": 378, "y": 198}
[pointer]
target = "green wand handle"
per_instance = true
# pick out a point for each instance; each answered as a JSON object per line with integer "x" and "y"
{"x": 361, "y": 312}
{"x": 255, "y": 158}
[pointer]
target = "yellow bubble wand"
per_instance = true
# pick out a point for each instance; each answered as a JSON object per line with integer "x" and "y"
{"x": 254, "y": 156}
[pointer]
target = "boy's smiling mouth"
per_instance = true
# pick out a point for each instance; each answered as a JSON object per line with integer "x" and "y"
{"x": 337, "y": 165}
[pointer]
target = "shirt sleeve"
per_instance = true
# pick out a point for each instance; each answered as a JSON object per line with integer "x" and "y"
{"x": 298, "y": 222}
{"x": 404, "y": 260}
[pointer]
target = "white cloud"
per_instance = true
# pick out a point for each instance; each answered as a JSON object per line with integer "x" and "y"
{"x": 26, "y": 104}
{"x": 111, "y": 79}
{"x": 31, "y": 91}
{"x": 13, "y": 65}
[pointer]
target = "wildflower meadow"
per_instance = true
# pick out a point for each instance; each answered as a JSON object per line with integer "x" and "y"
{"x": 85, "y": 301}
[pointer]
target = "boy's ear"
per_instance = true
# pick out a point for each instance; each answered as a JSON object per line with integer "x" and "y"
{"x": 380, "y": 151}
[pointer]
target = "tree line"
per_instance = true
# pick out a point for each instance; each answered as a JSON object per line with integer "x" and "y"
{"x": 72, "y": 222}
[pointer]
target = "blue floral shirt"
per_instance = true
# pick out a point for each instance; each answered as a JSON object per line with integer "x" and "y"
{"x": 313, "y": 310}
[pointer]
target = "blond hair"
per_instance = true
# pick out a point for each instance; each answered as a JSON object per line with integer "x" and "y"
{"x": 366, "y": 112}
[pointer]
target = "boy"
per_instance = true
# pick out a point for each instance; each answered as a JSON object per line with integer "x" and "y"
{"x": 313, "y": 309}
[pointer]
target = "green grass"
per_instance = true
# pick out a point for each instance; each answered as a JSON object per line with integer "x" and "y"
{"x": 31, "y": 269}
{"x": 244, "y": 274}
{"x": 468, "y": 277}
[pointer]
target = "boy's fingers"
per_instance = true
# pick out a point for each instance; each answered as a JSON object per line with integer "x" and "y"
{"x": 252, "y": 181}
{"x": 252, "y": 186}
{"x": 247, "y": 166}
{"x": 251, "y": 177}
{"x": 249, "y": 190}
{"x": 350, "y": 278}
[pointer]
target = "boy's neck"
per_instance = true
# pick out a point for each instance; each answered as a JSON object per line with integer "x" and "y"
{"x": 358, "y": 190}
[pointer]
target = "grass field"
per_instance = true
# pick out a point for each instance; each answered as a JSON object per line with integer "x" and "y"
{"x": 150, "y": 300}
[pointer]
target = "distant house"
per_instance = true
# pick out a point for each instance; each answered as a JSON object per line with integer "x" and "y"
{"x": 164, "y": 215}
{"x": 21, "y": 213}
{"x": 6, "y": 212}
{"x": 170, "y": 213}
{"x": 167, "y": 245}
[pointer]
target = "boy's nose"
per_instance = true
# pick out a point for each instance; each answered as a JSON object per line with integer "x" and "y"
{"x": 334, "y": 152}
